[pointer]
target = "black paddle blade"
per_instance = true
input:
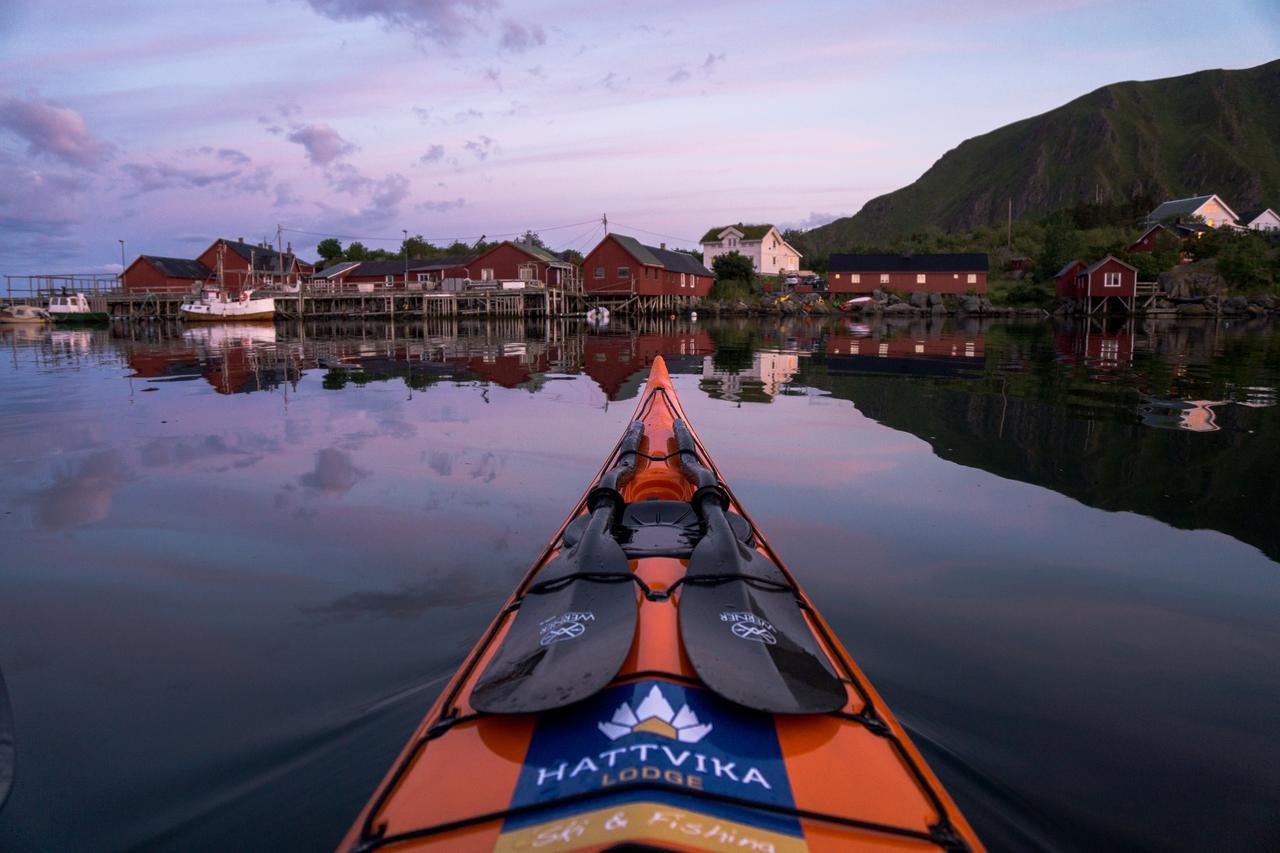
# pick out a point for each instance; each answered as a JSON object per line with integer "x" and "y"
{"x": 570, "y": 635}
{"x": 7, "y": 748}
{"x": 749, "y": 641}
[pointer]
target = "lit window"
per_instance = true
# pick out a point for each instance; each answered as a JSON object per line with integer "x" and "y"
{"x": 919, "y": 278}
{"x": 624, "y": 272}
{"x": 599, "y": 272}
{"x": 856, "y": 278}
{"x": 971, "y": 278}
{"x": 884, "y": 278}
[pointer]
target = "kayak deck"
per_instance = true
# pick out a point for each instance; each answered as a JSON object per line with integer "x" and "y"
{"x": 652, "y": 757}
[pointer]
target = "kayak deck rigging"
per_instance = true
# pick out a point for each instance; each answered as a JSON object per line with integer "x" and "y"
{"x": 660, "y": 586}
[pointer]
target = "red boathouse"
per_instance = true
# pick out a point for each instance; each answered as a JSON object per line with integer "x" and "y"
{"x": 962, "y": 272}
{"x": 623, "y": 265}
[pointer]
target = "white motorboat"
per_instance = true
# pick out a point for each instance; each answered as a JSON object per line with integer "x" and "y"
{"x": 216, "y": 305}
{"x": 598, "y": 316}
{"x": 74, "y": 308}
{"x": 23, "y": 315}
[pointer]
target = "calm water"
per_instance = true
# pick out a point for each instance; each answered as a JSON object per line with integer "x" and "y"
{"x": 239, "y": 563}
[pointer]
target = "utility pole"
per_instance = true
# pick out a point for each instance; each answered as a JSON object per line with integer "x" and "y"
{"x": 121, "y": 242}
{"x": 405, "y": 248}
{"x": 280, "y": 253}
{"x": 604, "y": 220}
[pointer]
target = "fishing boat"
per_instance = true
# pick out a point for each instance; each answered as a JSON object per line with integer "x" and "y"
{"x": 23, "y": 315}
{"x": 74, "y": 308}
{"x": 659, "y": 681}
{"x": 217, "y": 305}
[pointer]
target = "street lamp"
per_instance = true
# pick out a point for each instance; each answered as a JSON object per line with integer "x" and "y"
{"x": 121, "y": 242}
{"x": 405, "y": 247}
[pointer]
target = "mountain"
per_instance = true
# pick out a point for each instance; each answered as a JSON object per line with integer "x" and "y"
{"x": 1211, "y": 131}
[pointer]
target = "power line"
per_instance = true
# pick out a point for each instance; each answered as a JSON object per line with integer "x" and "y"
{"x": 656, "y": 234}
{"x": 372, "y": 239}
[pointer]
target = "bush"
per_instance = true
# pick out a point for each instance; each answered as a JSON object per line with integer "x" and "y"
{"x": 734, "y": 266}
{"x": 727, "y": 290}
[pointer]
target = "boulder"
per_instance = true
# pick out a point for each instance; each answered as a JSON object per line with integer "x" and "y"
{"x": 878, "y": 295}
{"x": 1192, "y": 309}
{"x": 1183, "y": 283}
{"x": 919, "y": 299}
{"x": 1235, "y": 305}
{"x": 898, "y": 307}
{"x": 935, "y": 299}
{"x": 970, "y": 304}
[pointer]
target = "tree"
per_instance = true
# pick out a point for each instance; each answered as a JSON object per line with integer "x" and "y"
{"x": 531, "y": 237}
{"x": 416, "y": 247}
{"x": 1244, "y": 263}
{"x": 733, "y": 266}
{"x": 1062, "y": 244}
{"x": 329, "y": 250}
{"x": 357, "y": 252}
{"x": 573, "y": 256}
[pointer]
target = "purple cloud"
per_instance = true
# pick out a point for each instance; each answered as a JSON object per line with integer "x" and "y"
{"x": 679, "y": 76}
{"x": 480, "y": 147}
{"x": 710, "y": 63}
{"x": 390, "y": 191}
{"x": 439, "y": 206}
{"x": 516, "y": 37}
{"x": 434, "y": 154}
{"x": 151, "y": 177}
{"x": 442, "y": 21}
{"x": 612, "y": 82}
{"x": 53, "y": 131}
{"x": 323, "y": 144}
{"x": 234, "y": 156}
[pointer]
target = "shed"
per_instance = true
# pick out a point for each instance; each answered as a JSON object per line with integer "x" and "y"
{"x": 154, "y": 274}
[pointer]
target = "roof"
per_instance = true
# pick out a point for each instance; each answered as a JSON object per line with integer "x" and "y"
{"x": 1185, "y": 207}
{"x": 545, "y": 255}
{"x": 749, "y": 232}
{"x": 941, "y": 262}
{"x": 1249, "y": 217}
{"x": 393, "y": 267}
{"x": 1060, "y": 273}
{"x": 1091, "y": 270}
{"x": 337, "y": 269}
{"x": 179, "y": 267}
{"x": 638, "y": 250}
{"x": 442, "y": 263}
{"x": 679, "y": 262}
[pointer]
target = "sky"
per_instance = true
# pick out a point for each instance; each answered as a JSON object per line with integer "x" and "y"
{"x": 169, "y": 124}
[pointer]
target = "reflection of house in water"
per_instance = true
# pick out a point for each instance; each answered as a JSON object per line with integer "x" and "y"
{"x": 509, "y": 365}
{"x": 617, "y": 361}
{"x": 768, "y": 373}
{"x": 1091, "y": 346}
{"x": 228, "y": 357}
{"x": 1190, "y": 415}
{"x": 920, "y": 349}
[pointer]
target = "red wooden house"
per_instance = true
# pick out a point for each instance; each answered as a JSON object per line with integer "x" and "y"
{"x": 153, "y": 274}
{"x": 961, "y": 272}
{"x": 1065, "y": 280}
{"x": 621, "y": 264}
{"x": 1107, "y": 279}
{"x": 248, "y": 264}
{"x": 512, "y": 260}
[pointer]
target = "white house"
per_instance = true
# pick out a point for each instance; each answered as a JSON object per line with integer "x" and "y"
{"x": 1210, "y": 208}
{"x": 1261, "y": 220}
{"x": 769, "y": 253}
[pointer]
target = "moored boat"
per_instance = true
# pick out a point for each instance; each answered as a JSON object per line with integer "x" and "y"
{"x": 659, "y": 681}
{"x": 217, "y": 305}
{"x": 23, "y": 315}
{"x": 74, "y": 308}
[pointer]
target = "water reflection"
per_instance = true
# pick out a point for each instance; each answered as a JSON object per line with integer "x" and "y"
{"x": 255, "y": 575}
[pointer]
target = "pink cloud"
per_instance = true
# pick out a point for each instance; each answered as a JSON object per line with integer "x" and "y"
{"x": 53, "y": 131}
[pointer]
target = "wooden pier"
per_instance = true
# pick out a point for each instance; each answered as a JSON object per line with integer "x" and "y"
{"x": 322, "y": 301}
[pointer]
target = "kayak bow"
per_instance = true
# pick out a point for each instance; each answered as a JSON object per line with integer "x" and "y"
{"x": 659, "y": 681}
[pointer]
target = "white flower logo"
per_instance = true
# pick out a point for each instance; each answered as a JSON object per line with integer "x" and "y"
{"x": 656, "y": 716}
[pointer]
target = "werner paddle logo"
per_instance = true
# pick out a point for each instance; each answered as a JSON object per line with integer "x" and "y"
{"x": 748, "y": 626}
{"x": 566, "y": 626}
{"x": 655, "y": 715}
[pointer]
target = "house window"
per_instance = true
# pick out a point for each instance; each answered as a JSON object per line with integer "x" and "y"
{"x": 1111, "y": 279}
{"x": 884, "y": 278}
{"x": 423, "y": 276}
{"x": 682, "y": 279}
{"x": 774, "y": 260}
{"x": 919, "y": 278}
{"x": 528, "y": 272}
{"x": 624, "y": 272}
{"x": 486, "y": 274}
{"x": 390, "y": 280}
{"x": 971, "y": 278}
{"x": 856, "y": 278}
{"x": 599, "y": 272}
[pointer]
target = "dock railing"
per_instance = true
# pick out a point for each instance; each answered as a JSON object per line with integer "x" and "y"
{"x": 32, "y": 287}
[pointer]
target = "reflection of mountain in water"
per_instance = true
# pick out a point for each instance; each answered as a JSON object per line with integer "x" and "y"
{"x": 1029, "y": 418}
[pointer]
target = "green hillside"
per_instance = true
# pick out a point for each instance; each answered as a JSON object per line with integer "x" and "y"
{"x": 1211, "y": 131}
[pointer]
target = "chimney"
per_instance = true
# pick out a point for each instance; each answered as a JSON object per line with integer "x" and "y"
{"x": 239, "y": 239}
{"x": 662, "y": 246}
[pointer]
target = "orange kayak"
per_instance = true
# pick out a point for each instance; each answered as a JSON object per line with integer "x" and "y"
{"x": 659, "y": 681}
